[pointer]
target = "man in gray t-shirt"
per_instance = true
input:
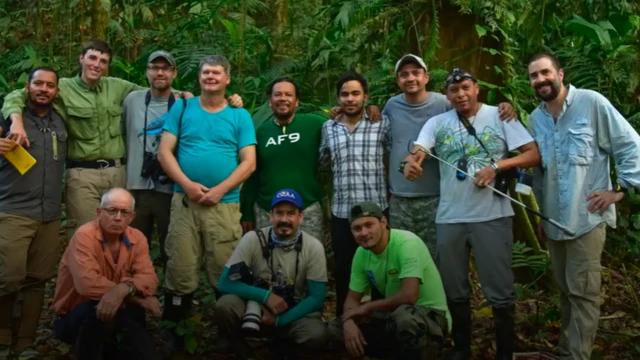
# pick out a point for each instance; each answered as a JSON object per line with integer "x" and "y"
{"x": 413, "y": 205}
{"x": 148, "y": 184}
{"x": 472, "y": 137}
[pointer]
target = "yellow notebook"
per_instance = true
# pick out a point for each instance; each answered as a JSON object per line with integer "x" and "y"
{"x": 20, "y": 158}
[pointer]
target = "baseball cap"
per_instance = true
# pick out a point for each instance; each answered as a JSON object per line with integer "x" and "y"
{"x": 410, "y": 59}
{"x": 287, "y": 195}
{"x": 162, "y": 54}
{"x": 365, "y": 209}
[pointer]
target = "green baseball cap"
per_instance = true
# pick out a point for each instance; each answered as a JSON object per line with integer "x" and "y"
{"x": 365, "y": 209}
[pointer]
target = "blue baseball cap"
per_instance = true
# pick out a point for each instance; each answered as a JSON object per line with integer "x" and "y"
{"x": 287, "y": 195}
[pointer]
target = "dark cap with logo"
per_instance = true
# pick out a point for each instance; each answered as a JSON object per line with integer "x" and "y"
{"x": 287, "y": 195}
{"x": 365, "y": 209}
{"x": 161, "y": 54}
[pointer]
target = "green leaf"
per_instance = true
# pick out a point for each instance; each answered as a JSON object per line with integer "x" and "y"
{"x": 343, "y": 16}
{"x": 635, "y": 220}
{"x": 594, "y": 32}
{"x": 481, "y": 30}
{"x": 191, "y": 343}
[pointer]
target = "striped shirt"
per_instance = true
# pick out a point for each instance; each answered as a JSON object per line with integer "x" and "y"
{"x": 356, "y": 162}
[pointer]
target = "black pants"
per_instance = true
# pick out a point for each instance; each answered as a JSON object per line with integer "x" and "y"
{"x": 344, "y": 248}
{"x": 122, "y": 337}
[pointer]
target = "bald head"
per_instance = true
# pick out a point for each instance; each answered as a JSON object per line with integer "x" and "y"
{"x": 117, "y": 195}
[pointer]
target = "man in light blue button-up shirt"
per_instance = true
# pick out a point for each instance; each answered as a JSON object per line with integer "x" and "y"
{"x": 577, "y": 131}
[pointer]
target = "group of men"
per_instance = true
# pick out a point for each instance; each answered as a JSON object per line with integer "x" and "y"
{"x": 402, "y": 222}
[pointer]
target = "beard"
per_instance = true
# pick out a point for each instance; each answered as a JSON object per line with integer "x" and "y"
{"x": 553, "y": 93}
{"x": 358, "y": 111}
{"x": 283, "y": 115}
{"x": 161, "y": 85}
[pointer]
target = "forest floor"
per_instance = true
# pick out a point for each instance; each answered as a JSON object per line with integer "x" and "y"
{"x": 537, "y": 320}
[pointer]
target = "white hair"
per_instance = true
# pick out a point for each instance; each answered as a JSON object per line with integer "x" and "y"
{"x": 106, "y": 197}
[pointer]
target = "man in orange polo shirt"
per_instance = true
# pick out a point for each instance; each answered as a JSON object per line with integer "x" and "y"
{"x": 106, "y": 281}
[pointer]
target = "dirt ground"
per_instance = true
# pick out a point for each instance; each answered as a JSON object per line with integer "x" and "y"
{"x": 537, "y": 321}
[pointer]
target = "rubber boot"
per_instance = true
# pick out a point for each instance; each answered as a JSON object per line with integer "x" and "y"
{"x": 32, "y": 302}
{"x": 176, "y": 309}
{"x": 504, "y": 322}
{"x": 461, "y": 330}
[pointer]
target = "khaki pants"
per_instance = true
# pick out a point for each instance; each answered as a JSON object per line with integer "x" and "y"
{"x": 306, "y": 334}
{"x": 83, "y": 189}
{"x": 196, "y": 230}
{"x": 576, "y": 269}
{"x": 29, "y": 252}
{"x": 153, "y": 208}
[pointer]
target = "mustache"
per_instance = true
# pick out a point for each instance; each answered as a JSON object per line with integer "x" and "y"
{"x": 284, "y": 225}
{"x": 544, "y": 83}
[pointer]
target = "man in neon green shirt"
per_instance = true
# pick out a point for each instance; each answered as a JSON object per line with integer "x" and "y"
{"x": 411, "y": 309}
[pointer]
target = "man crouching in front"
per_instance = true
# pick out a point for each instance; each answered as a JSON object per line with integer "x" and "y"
{"x": 106, "y": 281}
{"x": 284, "y": 269}
{"x": 408, "y": 318}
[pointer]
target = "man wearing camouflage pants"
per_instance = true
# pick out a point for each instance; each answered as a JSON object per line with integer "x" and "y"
{"x": 413, "y": 205}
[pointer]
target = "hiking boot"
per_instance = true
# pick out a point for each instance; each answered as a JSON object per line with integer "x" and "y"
{"x": 460, "y": 330}
{"x": 504, "y": 322}
{"x": 176, "y": 309}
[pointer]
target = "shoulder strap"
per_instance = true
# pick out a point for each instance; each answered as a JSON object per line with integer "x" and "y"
{"x": 264, "y": 245}
{"x": 184, "y": 108}
{"x": 472, "y": 131}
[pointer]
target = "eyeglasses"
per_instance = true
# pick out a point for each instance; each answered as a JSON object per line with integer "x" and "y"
{"x": 156, "y": 69}
{"x": 114, "y": 212}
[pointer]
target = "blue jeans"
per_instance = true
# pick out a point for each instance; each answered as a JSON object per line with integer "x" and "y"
{"x": 96, "y": 339}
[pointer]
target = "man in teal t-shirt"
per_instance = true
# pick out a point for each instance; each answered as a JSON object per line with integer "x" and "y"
{"x": 412, "y": 307}
{"x": 287, "y": 157}
{"x": 199, "y": 151}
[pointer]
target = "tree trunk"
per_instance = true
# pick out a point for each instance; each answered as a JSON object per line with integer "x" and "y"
{"x": 99, "y": 19}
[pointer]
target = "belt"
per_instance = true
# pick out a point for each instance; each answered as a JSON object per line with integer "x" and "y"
{"x": 93, "y": 164}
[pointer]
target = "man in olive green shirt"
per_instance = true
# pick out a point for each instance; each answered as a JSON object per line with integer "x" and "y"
{"x": 91, "y": 104}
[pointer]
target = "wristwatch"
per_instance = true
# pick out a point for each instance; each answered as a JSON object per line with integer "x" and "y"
{"x": 495, "y": 167}
{"x": 132, "y": 289}
{"x": 402, "y": 165}
{"x": 620, "y": 189}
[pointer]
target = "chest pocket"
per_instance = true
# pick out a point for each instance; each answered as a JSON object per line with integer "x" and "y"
{"x": 114, "y": 117}
{"x": 80, "y": 122}
{"x": 580, "y": 143}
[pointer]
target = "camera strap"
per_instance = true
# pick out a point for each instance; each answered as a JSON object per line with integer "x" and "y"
{"x": 267, "y": 252}
{"x": 147, "y": 100}
{"x": 472, "y": 131}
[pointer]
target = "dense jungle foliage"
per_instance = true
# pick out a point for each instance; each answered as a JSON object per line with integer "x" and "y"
{"x": 314, "y": 41}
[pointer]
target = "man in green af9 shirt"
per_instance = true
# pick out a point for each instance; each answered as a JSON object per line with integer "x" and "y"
{"x": 410, "y": 320}
{"x": 287, "y": 157}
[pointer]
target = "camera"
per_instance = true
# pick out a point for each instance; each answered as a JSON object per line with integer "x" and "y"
{"x": 287, "y": 293}
{"x": 503, "y": 179}
{"x": 253, "y": 314}
{"x": 151, "y": 168}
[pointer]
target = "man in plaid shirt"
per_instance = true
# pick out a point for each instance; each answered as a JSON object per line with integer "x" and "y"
{"x": 357, "y": 150}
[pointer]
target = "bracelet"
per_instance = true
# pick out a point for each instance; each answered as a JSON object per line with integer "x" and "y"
{"x": 402, "y": 165}
{"x": 495, "y": 167}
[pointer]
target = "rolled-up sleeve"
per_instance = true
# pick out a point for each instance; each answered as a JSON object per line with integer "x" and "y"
{"x": 621, "y": 141}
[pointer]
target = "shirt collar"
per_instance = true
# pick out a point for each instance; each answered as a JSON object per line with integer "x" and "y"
{"x": 31, "y": 110}
{"x": 365, "y": 117}
{"x": 571, "y": 94}
{"x": 124, "y": 237}
{"x": 84, "y": 86}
